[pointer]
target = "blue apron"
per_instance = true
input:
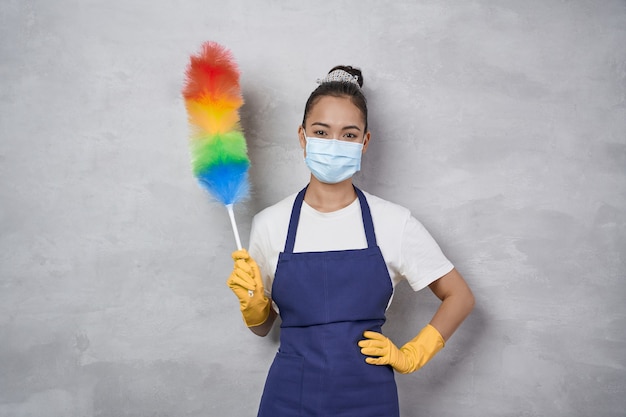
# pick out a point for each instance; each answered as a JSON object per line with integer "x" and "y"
{"x": 326, "y": 301}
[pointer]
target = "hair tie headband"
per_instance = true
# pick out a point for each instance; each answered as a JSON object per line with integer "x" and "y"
{"x": 339, "y": 75}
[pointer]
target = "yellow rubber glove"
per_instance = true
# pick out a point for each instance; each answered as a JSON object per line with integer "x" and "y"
{"x": 410, "y": 357}
{"x": 246, "y": 283}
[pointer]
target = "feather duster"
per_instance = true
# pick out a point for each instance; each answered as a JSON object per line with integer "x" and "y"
{"x": 217, "y": 144}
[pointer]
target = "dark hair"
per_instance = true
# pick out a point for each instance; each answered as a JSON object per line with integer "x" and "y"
{"x": 340, "y": 89}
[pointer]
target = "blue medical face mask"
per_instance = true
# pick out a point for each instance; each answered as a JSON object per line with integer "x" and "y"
{"x": 331, "y": 160}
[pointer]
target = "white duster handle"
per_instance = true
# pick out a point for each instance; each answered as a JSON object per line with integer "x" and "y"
{"x": 231, "y": 214}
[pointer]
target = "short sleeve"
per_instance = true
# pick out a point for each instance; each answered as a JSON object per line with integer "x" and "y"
{"x": 422, "y": 261}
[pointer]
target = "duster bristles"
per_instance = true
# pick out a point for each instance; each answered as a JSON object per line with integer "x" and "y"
{"x": 218, "y": 148}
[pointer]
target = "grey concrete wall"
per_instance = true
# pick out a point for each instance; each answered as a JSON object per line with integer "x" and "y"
{"x": 500, "y": 124}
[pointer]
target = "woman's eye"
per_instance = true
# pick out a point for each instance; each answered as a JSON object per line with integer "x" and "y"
{"x": 349, "y": 136}
{"x": 319, "y": 133}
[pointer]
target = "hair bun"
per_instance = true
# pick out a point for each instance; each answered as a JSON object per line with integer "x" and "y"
{"x": 355, "y": 72}
{"x": 343, "y": 74}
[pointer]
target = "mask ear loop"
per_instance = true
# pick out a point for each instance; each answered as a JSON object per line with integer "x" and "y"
{"x": 303, "y": 138}
{"x": 305, "y": 141}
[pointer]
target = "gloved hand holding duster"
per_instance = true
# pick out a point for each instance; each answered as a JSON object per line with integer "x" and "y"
{"x": 247, "y": 284}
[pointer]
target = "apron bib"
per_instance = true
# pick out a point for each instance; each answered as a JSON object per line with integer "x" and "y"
{"x": 326, "y": 301}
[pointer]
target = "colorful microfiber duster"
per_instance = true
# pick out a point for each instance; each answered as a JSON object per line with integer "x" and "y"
{"x": 218, "y": 147}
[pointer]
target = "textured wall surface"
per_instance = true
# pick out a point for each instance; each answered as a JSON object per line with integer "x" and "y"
{"x": 501, "y": 125}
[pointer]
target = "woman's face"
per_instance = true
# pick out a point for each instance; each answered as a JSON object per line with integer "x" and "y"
{"x": 334, "y": 118}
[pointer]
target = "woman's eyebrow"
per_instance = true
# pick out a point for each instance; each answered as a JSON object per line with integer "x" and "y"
{"x": 349, "y": 127}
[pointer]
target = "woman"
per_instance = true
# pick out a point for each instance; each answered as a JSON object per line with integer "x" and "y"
{"x": 327, "y": 259}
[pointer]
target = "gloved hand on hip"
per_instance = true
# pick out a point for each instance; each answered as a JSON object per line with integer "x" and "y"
{"x": 247, "y": 284}
{"x": 410, "y": 357}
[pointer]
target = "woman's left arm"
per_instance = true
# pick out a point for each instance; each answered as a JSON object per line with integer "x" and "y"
{"x": 457, "y": 301}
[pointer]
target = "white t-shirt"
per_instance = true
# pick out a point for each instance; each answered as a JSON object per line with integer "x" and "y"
{"x": 409, "y": 250}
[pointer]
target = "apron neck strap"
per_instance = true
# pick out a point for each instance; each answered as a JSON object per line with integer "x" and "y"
{"x": 368, "y": 224}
